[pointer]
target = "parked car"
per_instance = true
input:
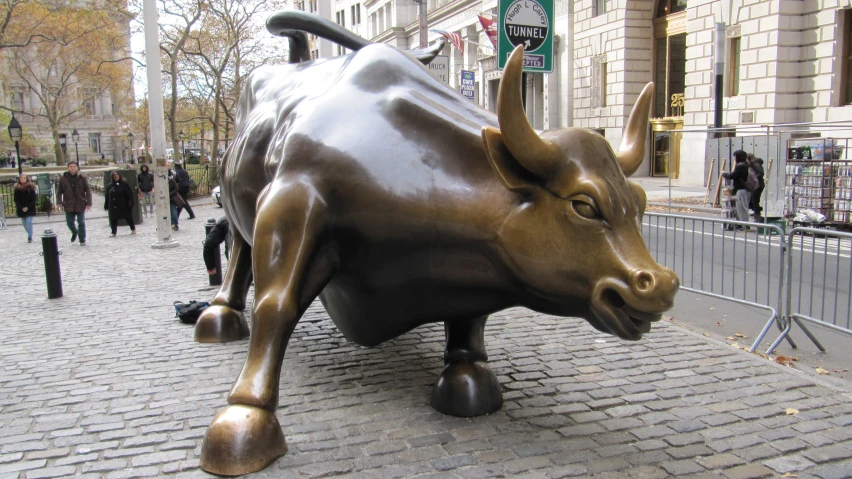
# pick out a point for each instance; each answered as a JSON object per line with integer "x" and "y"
{"x": 217, "y": 197}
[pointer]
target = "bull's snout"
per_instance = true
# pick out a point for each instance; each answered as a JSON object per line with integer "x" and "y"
{"x": 654, "y": 289}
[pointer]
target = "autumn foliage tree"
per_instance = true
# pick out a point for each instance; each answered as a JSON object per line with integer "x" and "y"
{"x": 66, "y": 54}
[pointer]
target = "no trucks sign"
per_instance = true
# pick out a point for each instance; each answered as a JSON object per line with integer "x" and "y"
{"x": 528, "y": 23}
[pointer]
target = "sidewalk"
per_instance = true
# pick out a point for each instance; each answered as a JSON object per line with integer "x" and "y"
{"x": 106, "y": 383}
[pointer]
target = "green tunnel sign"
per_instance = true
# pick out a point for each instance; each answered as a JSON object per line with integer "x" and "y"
{"x": 528, "y": 23}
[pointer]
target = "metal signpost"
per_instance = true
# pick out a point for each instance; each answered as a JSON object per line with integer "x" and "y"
{"x": 468, "y": 82}
{"x": 528, "y": 23}
{"x": 440, "y": 68}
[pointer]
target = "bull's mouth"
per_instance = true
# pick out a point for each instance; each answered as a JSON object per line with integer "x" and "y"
{"x": 620, "y": 318}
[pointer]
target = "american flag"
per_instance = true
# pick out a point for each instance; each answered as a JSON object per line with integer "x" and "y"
{"x": 490, "y": 27}
{"x": 453, "y": 37}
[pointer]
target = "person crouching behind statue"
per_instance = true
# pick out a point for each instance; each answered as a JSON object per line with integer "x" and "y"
{"x": 118, "y": 201}
{"x": 175, "y": 202}
{"x": 217, "y": 235}
{"x": 25, "y": 202}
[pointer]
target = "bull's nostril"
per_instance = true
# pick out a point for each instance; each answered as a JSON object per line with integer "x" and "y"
{"x": 643, "y": 281}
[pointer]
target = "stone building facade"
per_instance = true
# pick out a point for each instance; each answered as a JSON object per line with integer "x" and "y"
{"x": 787, "y": 61}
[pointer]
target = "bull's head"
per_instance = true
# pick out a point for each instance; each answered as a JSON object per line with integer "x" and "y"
{"x": 573, "y": 238}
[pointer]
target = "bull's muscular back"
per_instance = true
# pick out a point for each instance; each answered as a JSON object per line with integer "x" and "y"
{"x": 397, "y": 156}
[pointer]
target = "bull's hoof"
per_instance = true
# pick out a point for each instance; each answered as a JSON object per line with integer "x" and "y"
{"x": 240, "y": 440}
{"x": 220, "y": 324}
{"x": 467, "y": 389}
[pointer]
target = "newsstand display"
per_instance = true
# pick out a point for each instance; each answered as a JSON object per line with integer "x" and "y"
{"x": 818, "y": 187}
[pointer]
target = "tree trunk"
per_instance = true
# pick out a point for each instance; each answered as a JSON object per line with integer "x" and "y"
{"x": 57, "y": 146}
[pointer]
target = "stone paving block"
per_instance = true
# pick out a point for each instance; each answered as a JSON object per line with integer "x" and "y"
{"x": 750, "y": 471}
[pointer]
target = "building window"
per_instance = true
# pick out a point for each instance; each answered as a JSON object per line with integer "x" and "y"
{"x": 734, "y": 69}
{"x": 313, "y": 6}
{"x": 300, "y": 6}
{"x": 95, "y": 142}
{"x": 16, "y": 100}
{"x": 341, "y": 18}
{"x": 314, "y": 54}
{"x": 599, "y": 7}
{"x": 89, "y": 104}
{"x": 668, "y": 7}
{"x": 598, "y": 83}
{"x": 356, "y": 14}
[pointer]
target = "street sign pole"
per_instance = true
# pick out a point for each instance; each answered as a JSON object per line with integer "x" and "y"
{"x": 528, "y": 23}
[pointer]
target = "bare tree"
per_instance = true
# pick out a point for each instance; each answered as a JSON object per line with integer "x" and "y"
{"x": 81, "y": 54}
{"x": 182, "y": 17}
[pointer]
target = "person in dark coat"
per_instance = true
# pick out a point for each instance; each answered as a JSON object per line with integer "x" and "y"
{"x": 182, "y": 179}
{"x": 175, "y": 201}
{"x": 75, "y": 196}
{"x": 25, "y": 203}
{"x": 118, "y": 201}
{"x": 757, "y": 164}
{"x": 739, "y": 177}
{"x": 146, "y": 189}
{"x": 218, "y": 235}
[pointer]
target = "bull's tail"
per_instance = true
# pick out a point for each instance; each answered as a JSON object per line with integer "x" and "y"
{"x": 293, "y": 24}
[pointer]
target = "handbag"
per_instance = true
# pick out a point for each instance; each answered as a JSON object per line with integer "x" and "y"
{"x": 189, "y": 312}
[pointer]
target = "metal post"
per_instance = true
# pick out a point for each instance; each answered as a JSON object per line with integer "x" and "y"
{"x": 719, "y": 51}
{"x": 424, "y": 33}
{"x": 18, "y": 152}
{"x": 158, "y": 127}
{"x": 77, "y": 153}
{"x": 50, "y": 252}
{"x": 215, "y": 278}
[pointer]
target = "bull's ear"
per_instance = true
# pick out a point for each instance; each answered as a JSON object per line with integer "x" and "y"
{"x": 514, "y": 177}
{"x": 640, "y": 193}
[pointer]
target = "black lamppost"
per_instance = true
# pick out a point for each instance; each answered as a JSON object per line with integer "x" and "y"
{"x": 130, "y": 139}
{"x": 76, "y": 137}
{"x": 16, "y": 133}
{"x": 181, "y": 135}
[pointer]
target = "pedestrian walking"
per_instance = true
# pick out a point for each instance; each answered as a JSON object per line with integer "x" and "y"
{"x": 182, "y": 178}
{"x": 118, "y": 201}
{"x": 739, "y": 177}
{"x": 146, "y": 189}
{"x": 75, "y": 197}
{"x": 25, "y": 203}
{"x": 757, "y": 165}
{"x": 175, "y": 202}
{"x": 218, "y": 235}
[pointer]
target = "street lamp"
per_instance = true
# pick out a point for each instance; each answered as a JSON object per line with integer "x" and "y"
{"x": 130, "y": 139}
{"x": 76, "y": 137}
{"x": 16, "y": 133}
{"x": 181, "y": 135}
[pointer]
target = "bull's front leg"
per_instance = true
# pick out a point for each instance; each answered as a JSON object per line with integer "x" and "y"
{"x": 290, "y": 270}
{"x": 223, "y": 321}
{"x": 466, "y": 387}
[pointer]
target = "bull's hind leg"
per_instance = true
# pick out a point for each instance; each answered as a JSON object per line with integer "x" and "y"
{"x": 223, "y": 321}
{"x": 467, "y": 386}
{"x": 290, "y": 270}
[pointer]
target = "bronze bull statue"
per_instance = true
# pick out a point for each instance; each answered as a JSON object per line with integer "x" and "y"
{"x": 364, "y": 181}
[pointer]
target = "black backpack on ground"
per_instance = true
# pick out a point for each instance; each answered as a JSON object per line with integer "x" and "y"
{"x": 189, "y": 312}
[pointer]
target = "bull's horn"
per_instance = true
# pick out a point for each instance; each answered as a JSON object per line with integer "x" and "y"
{"x": 534, "y": 153}
{"x": 632, "y": 149}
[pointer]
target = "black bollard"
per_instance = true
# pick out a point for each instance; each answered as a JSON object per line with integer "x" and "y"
{"x": 50, "y": 251}
{"x": 215, "y": 278}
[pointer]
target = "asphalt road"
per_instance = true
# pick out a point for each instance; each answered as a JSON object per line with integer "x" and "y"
{"x": 748, "y": 266}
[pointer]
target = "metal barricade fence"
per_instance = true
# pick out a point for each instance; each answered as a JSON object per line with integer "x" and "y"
{"x": 818, "y": 283}
{"x": 713, "y": 257}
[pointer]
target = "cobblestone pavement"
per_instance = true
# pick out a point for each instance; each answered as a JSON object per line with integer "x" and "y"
{"x": 106, "y": 383}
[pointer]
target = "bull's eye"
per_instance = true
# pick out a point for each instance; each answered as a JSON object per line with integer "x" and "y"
{"x": 585, "y": 210}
